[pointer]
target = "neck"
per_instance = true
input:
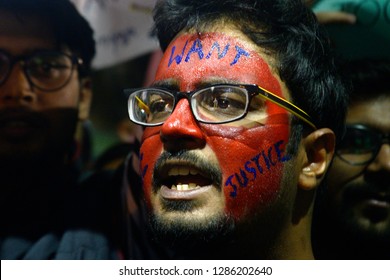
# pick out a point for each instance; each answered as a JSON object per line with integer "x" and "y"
{"x": 292, "y": 242}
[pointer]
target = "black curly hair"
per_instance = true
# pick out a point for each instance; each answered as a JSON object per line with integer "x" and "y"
{"x": 69, "y": 27}
{"x": 289, "y": 31}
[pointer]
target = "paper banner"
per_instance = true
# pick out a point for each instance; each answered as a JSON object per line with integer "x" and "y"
{"x": 122, "y": 29}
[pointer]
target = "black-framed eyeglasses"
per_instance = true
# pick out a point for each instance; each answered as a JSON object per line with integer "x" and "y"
{"x": 45, "y": 70}
{"x": 216, "y": 104}
{"x": 361, "y": 144}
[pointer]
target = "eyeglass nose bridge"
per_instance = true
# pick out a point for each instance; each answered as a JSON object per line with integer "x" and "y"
{"x": 183, "y": 95}
{"x": 385, "y": 138}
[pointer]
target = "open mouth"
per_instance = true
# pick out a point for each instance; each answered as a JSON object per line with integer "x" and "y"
{"x": 374, "y": 206}
{"x": 379, "y": 200}
{"x": 182, "y": 177}
{"x": 19, "y": 123}
{"x": 183, "y": 180}
{"x": 17, "y": 127}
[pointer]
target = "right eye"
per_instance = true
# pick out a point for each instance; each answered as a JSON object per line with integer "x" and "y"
{"x": 358, "y": 142}
{"x": 222, "y": 101}
{"x": 159, "y": 106}
{"x": 49, "y": 66}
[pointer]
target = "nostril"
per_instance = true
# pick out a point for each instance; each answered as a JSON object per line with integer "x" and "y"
{"x": 21, "y": 97}
{"x": 28, "y": 98}
{"x": 183, "y": 142}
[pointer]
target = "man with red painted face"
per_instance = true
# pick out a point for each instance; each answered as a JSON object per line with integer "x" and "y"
{"x": 353, "y": 215}
{"x": 241, "y": 124}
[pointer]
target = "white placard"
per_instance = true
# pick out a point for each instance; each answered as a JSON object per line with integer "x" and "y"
{"x": 122, "y": 29}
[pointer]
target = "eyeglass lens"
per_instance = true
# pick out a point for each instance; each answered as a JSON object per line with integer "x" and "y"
{"x": 360, "y": 145}
{"x": 4, "y": 66}
{"x": 46, "y": 70}
{"x": 217, "y": 104}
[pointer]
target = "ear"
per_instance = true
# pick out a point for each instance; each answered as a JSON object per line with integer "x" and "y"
{"x": 319, "y": 148}
{"x": 85, "y": 98}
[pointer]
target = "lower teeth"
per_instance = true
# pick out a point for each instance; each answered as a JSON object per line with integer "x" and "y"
{"x": 184, "y": 187}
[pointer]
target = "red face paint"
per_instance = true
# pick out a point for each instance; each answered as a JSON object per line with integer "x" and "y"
{"x": 251, "y": 159}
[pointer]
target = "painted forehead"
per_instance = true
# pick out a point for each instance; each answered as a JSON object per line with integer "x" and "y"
{"x": 192, "y": 60}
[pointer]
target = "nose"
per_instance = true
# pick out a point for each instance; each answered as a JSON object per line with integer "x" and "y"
{"x": 379, "y": 169}
{"x": 181, "y": 130}
{"x": 16, "y": 90}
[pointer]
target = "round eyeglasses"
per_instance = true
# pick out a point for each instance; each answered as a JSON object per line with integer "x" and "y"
{"x": 216, "y": 104}
{"x": 45, "y": 70}
{"x": 361, "y": 144}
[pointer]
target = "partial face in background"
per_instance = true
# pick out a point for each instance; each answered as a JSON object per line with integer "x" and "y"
{"x": 197, "y": 176}
{"x": 360, "y": 195}
{"x": 34, "y": 123}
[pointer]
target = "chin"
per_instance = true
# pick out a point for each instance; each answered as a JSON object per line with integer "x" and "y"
{"x": 186, "y": 230}
{"x": 369, "y": 225}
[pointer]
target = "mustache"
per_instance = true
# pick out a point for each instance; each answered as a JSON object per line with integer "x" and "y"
{"x": 191, "y": 159}
{"x": 36, "y": 119}
{"x": 365, "y": 189}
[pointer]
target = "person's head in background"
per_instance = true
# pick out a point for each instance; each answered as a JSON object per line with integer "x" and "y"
{"x": 352, "y": 213}
{"x": 231, "y": 171}
{"x": 46, "y": 48}
{"x": 356, "y": 212}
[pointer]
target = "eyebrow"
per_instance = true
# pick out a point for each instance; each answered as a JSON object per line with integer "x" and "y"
{"x": 166, "y": 84}
{"x": 172, "y": 84}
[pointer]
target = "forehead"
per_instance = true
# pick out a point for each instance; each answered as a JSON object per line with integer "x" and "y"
{"x": 371, "y": 111}
{"x": 21, "y": 33}
{"x": 194, "y": 59}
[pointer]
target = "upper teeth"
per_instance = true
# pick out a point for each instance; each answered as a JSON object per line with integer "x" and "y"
{"x": 182, "y": 170}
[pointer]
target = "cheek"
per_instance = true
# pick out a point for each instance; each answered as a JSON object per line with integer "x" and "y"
{"x": 150, "y": 151}
{"x": 252, "y": 163}
{"x": 67, "y": 97}
{"x": 340, "y": 174}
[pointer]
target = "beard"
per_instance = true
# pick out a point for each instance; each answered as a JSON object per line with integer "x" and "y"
{"x": 32, "y": 157}
{"x": 363, "y": 221}
{"x": 193, "y": 239}
{"x": 221, "y": 237}
{"x": 46, "y": 136}
{"x": 374, "y": 229}
{"x": 344, "y": 228}
{"x": 190, "y": 233}
{"x": 253, "y": 235}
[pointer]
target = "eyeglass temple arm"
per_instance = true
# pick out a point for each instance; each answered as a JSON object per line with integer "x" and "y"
{"x": 142, "y": 105}
{"x": 288, "y": 106}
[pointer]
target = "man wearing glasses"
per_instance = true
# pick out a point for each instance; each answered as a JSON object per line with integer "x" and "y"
{"x": 354, "y": 215}
{"x": 46, "y": 49}
{"x": 241, "y": 123}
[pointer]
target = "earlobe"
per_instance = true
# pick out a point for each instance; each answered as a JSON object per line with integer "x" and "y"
{"x": 85, "y": 98}
{"x": 319, "y": 149}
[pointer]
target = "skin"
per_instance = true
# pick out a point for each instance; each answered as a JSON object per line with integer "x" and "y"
{"x": 333, "y": 17}
{"x": 360, "y": 195}
{"x": 224, "y": 154}
{"x": 36, "y": 124}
